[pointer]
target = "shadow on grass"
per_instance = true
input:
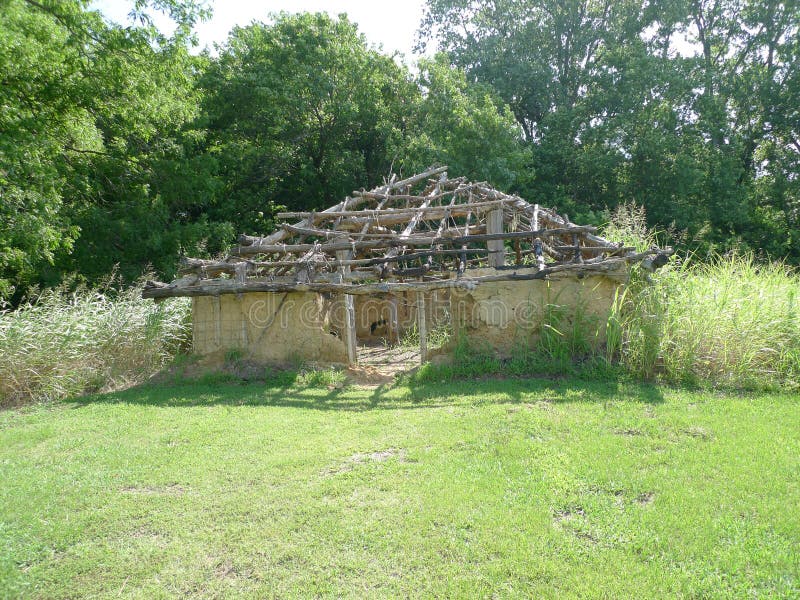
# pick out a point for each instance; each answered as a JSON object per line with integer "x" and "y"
{"x": 404, "y": 395}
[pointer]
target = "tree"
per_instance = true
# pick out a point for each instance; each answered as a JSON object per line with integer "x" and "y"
{"x": 686, "y": 106}
{"x": 465, "y": 126}
{"x": 89, "y": 112}
{"x": 299, "y": 113}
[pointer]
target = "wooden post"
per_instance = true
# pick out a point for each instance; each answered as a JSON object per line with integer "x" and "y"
{"x": 454, "y": 315}
{"x": 393, "y": 321}
{"x": 422, "y": 325}
{"x": 350, "y": 329}
{"x": 494, "y": 224}
{"x": 349, "y": 311}
{"x": 217, "y": 312}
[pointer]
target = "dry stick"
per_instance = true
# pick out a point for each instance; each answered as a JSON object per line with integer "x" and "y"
{"x": 408, "y": 229}
{"x": 328, "y": 234}
{"x": 405, "y": 212}
{"x": 370, "y": 222}
{"x": 307, "y": 256}
{"x": 257, "y": 267}
{"x": 408, "y": 241}
{"x": 441, "y": 228}
{"x": 282, "y": 234}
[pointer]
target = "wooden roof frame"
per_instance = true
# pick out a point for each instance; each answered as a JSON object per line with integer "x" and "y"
{"x": 422, "y": 233}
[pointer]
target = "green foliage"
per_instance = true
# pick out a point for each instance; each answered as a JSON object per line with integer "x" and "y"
{"x": 44, "y": 128}
{"x": 120, "y": 148}
{"x": 438, "y": 336}
{"x": 464, "y": 126}
{"x": 686, "y": 108}
{"x": 94, "y": 168}
{"x": 299, "y": 113}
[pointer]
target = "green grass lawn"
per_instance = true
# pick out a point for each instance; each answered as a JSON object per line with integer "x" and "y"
{"x": 494, "y": 489}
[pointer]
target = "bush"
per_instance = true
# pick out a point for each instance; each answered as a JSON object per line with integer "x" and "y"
{"x": 91, "y": 340}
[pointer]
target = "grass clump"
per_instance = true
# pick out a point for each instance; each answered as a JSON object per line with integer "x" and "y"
{"x": 62, "y": 344}
{"x": 438, "y": 337}
{"x": 730, "y": 322}
{"x": 315, "y": 378}
{"x": 563, "y": 344}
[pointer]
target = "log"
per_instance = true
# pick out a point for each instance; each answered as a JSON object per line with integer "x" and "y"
{"x": 218, "y": 287}
{"x": 229, "y": 286}
{"x": 394, "y": 333}
{"x": 494, "y": 229}
{"x": 410, "y": 241}
{"x": 341, "y": 233}
{"x": 397, "y": 185}
{"x": 422, "y": 325}
{"x": 349, "y": 310}
{"x": 407, "y": 232}
{"x": 433, "y": 212}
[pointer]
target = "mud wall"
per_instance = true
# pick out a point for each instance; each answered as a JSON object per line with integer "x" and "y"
{"x": 300, "y": 326}
{"x": 268, "y": 327}
{"x": 510, "y": 315}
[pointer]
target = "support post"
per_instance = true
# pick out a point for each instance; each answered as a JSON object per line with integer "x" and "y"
{"x": 494, "y": 224}
{"x": 217, "y": 312}
{"x": 454, "y": 315}
{"x": 393, "y": 320}
{"x": 422, "y": 326}
{"x": 350, "y": 329}
{"x": 349, "y": 310}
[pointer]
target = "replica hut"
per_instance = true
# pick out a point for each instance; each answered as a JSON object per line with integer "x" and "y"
{"x": 395, "y": 258}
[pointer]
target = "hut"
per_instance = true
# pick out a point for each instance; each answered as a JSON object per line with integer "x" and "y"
{"x": 401, "y": 257}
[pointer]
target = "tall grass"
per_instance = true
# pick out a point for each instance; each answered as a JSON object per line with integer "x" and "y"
{"x": 64, "y": 344}
{"x": 730, "y": 321}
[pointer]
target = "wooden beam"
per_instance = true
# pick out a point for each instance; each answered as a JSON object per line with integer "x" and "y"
{"x": 394, "y": 328}
{"x": 216, "y": 287}
{"x": 409, "y": 241}
{"x": 412, "y": 224}
{"x": 422, "y": 326}
{"x": 496, "y": 246}
{"x": 349, "y": 311}
{"x": 398, "y": 185}
{"x": 433, "y": 212}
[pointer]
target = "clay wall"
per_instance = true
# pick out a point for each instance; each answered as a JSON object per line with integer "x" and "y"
{"x": 299, "y": 326}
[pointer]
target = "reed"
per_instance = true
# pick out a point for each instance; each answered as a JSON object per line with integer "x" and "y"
{"x": 63, "y": 344}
